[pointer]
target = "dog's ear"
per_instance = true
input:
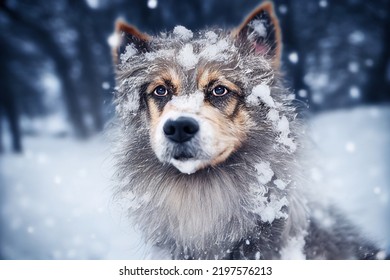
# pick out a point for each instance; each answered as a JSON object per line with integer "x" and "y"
{"x": 262, "y": 31}
{"x": 126, "y": 35}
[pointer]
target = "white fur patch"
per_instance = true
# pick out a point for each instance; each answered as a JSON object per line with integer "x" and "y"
{"x": 189, "y": 166}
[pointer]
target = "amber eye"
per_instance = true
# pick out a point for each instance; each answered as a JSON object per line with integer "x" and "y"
{"x": 160, "y": 91}
{"x": 219, "y": 91}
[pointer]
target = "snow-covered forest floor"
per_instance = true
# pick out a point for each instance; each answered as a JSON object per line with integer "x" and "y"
{"x": 57, "y": 203}
{"x": 56, "y": 197}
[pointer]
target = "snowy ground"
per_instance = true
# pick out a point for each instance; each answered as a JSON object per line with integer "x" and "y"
{"x": 56, "y": 197}
{"x": 56, "y": 203}
{"x": 354, "y": 165}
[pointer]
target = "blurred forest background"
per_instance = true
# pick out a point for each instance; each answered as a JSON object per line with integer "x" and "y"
{"x": 57, "y": 76}
{"x": 56, "y": 90}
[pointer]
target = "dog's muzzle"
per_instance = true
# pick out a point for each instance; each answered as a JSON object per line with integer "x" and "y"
{"x": 182, "y": 143}
{"x": 180, "y": 132}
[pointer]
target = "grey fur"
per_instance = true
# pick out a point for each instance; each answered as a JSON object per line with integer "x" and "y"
{"x": 213, "y": 213}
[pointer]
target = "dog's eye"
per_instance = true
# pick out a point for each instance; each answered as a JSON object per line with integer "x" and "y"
{"x": 160, "y": 91}
{"x": 219, "y": 91}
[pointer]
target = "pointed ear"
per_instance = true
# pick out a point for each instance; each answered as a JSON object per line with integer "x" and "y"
{"x": 262, "y": 31}
{"x": 126, "y": 35}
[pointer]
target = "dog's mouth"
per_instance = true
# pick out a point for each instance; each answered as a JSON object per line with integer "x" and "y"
{"x": 183, "y": 156}
{"x": 183, "y": 152}
{"x": 186, "y": 159}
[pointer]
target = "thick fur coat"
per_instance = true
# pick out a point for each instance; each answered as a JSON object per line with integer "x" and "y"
{"x": 237, "y": 188}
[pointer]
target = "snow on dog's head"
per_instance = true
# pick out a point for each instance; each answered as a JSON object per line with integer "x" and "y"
{"x": 199, "y": 91}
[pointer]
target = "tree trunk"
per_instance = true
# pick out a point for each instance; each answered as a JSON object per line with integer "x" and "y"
{"x": 377, "y": 88}
{"x": 62, "y": 67}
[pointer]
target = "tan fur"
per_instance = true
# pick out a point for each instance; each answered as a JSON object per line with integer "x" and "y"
{"x": 155, "y": 115}
{"x": 229, "y": 137}
{"x": 161, "y": 76}
{"x": 206, "y": 75}
{"x": 230, "y": 107}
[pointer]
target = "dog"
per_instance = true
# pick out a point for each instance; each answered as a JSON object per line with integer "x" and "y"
{"x": 210, "y": 157}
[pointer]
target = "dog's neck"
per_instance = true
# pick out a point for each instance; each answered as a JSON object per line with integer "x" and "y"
{"x": 209, "y": 213}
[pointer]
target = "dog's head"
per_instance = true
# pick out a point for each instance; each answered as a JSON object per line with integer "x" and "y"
{"x": 191, "y": 91}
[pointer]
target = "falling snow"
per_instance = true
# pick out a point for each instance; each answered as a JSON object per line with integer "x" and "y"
{"x": 293, "y": 57}
{"x": 369, "y": 62}
{"x": 356, "y": 37}
{"x": 353, "y": 67}
{"x": 323, "y": 3}
{"x": 350, "y": 147}
{"x": 152, "y": 4}
{"x": 114, "y": 40}
{"x": 354, "y": 92}
{"x": 106, "y": 85}
{"x": 302, "y": 93}
{"x": 283, "y": 9}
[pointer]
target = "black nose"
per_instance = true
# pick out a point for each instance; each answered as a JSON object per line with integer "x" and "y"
{"x": 181, "y": 130}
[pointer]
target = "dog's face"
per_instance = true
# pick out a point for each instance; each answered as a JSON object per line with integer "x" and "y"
{"x": 195, "y": 123}
{"x": 192, "y": 89}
